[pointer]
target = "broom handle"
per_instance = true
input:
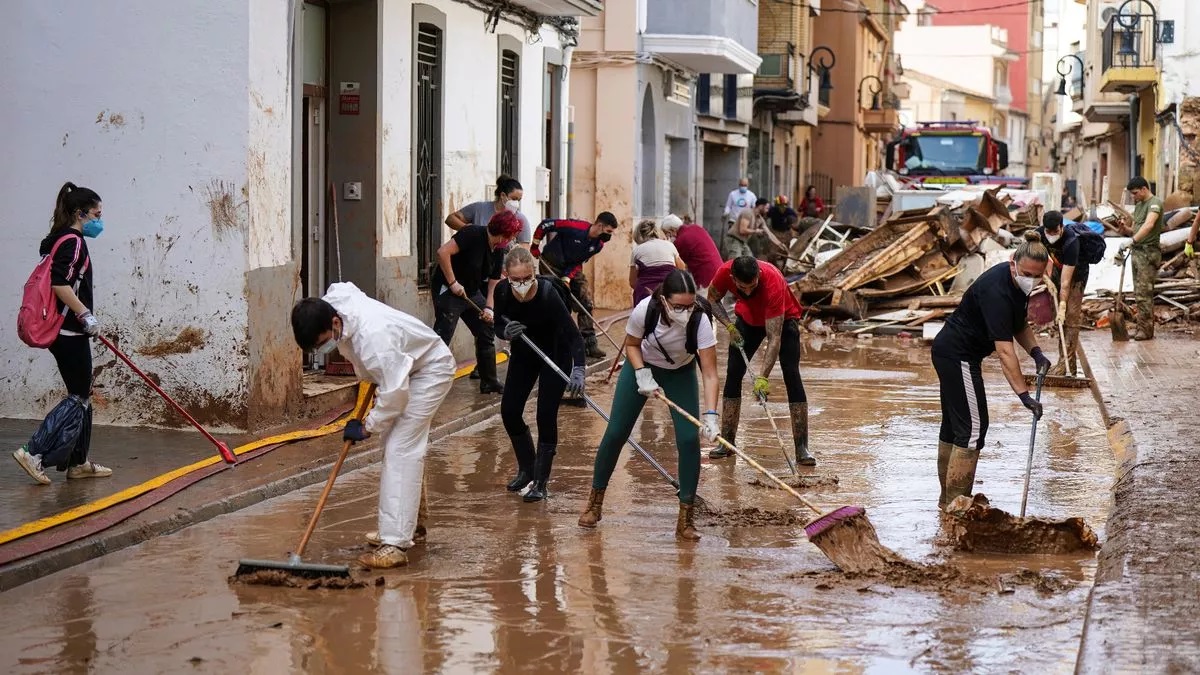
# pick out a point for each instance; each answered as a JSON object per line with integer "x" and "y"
{"x": 168, "y": 399}
{"x": 1032, "y": 436}
{"x": 592, "y": 404}
{"x": 579, "y": 305}
{"x": 778, "y": 437}
{"x": 360, "y": 409}
{"x": 688, "y": 416}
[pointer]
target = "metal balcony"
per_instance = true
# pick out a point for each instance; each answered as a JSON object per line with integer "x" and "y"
{"x": 1129, "y": 53}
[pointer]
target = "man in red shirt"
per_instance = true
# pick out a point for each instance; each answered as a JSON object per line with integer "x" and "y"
{"x": 766, "y": 309}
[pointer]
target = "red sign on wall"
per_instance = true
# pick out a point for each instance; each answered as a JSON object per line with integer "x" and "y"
{"x": 348, "y": 99}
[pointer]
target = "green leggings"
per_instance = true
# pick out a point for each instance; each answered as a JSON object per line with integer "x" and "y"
{"x": 679, "y": 386}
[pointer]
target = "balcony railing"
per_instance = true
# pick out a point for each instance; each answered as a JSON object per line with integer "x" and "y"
{"x": 1129, "y": 41}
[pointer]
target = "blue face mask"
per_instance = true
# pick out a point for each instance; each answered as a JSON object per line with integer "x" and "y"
{"x": 742, "y": 190}
{"x": 93, "y": 228}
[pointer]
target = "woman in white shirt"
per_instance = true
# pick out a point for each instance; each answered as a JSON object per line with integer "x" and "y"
{"x": 664, "y": 336}
{"x": 654, "y": 257}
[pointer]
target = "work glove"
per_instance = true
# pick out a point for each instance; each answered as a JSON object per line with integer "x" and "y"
{"x": 1188, "y": 250}
{"x": 1039, "y": 358}
{"x": 354, "y": 432}
{"x": 457, "y": 289}
{"x": 761, "y": 387}
{"x": 645, "y": 382}
{"x": 735, "y": 336}
{"x": 489, "y": 316}
{"x": 1123, "y": 252}
{"x": 575, "y": 386}
{"x": 513, "y": 330}
{"x": 566, "y": 281}
{"x": 1034, "y": 406}
{"x": 712, "y": 427}
{"x": 91, "y": 325}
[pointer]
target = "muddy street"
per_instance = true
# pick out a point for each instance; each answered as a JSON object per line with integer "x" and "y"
{"x": 504, "y": 586}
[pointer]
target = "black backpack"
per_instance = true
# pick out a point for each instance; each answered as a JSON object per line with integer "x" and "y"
{"x": 1091, "y": 245}
{"x": 654, "y": 315}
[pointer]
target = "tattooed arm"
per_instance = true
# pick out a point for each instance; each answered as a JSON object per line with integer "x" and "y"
{"x": 774, "y": 337}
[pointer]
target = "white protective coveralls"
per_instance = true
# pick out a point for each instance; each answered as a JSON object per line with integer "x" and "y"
{"x": 413, "y": 370}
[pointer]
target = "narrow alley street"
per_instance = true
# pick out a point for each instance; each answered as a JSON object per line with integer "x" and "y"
{"x": 503, "y": 586}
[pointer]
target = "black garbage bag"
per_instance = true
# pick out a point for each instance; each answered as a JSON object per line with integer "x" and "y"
{"x": 63, "y": 438}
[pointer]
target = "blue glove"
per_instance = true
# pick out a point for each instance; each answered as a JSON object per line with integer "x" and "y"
{"x": 575, "y": 386}
{"x": 1043, "y": 363}
{"x": 354, "y": 432}
{"x": 1034, "y": 406}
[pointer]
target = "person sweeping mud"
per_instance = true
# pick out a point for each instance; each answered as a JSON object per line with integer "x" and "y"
{"x": 413, "y": 370}
{"x": 665, "y": 336}
{"x": 568, "y": 245}
{"x": 990, "y": 318}
{"x": 469, "y": 268}
{"x": 767, "y": 310}
{"x": 1069, "y": 272}
{"x": 530, "y": 306}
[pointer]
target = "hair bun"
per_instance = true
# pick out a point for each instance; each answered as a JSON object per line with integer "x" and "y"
{"x": 1032, "y": 235}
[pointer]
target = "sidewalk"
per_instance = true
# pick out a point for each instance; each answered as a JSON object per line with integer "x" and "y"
{"x": 1142, "y": 613}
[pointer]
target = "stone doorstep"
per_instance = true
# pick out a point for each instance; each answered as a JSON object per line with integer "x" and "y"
{"x": 140, "y": 527}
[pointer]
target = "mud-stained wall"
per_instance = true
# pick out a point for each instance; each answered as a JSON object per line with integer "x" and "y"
{"x": 159, "y": 126}
{"x": 273, "y": 372}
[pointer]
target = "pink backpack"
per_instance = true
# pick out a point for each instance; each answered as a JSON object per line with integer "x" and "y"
{"x": 38, "y": 320}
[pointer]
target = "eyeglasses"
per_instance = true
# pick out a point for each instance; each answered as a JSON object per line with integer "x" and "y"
{"x": 515, "y": 280}
{"x": 681, "y": 308}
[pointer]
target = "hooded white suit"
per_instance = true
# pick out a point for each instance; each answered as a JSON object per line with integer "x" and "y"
{"x": 413, "y": 370}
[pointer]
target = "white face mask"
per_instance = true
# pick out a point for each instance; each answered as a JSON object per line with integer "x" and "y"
{"x": 1053, "y": 237}
{"x": 326, "y": 348}
{"x": 522, "y": 288}
{"x": 512, "y": 205}
{"x": 1026, "y": 284}
{"x": 678, "y": 315}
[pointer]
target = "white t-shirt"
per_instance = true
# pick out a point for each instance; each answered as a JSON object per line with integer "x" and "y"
{"x": 654, "y": 252}
{"x": 667, "y": 340}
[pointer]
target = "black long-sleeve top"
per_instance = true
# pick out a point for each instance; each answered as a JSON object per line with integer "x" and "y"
{"x": 546, "y": 319}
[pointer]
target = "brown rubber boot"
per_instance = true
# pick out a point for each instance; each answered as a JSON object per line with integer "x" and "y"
{"x": 731, "y": 414}
{"x": 685, "y": 528}
{"x": 591, "y": 514}
{"x": 943, "y": 461}
{"x": 799, "y": 413}
{"x": 960, "y": 472}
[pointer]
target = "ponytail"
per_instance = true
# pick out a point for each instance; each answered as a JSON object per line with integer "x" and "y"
{"x": 71, "y": 200}
{"x": 1032, "y": 248}
{"x": 645, "y": 231}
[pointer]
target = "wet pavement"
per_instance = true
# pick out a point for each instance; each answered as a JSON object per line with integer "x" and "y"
{"x": 503, "y": 586}
{"x": 1142, "y": 616}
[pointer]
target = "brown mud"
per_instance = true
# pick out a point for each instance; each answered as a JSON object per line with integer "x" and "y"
{"x": 797, "y": 482}
{"x": 938, "y": 577}
{"x": 754, "y": 517}
{"x": 852, "y": 544}
{"x": 981, "y": 528}
{"x": 281, "y": 578}
{"x": 189, "y": 340}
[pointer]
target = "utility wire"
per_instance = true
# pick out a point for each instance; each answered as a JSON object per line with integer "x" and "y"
{"x": 806, "y": 5}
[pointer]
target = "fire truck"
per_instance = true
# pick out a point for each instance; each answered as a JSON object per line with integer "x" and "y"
{"x": 944, "y": 154}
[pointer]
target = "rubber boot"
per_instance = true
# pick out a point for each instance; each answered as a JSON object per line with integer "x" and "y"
{"x": 800, "y": 434}
{"x": 731, "y": 414}
{"x": 592, "y": 512}
{"x": 420, "y": 533}
{"x": 685, "y": 528}
{"x": 960, "y": 472}
{"x": 485, "y": 363}
{"x": 526, "y": 456}
{"x": 545, "y": 460}
{"x": 592, "y": 345}
{"x": 943, "y": 461}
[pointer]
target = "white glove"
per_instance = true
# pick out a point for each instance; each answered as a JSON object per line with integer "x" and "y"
{"x": 457, "y": 289}
{"x": 91, "y": 325}
{"x": 712, "y": 427}
{"x": 645, "y": 382}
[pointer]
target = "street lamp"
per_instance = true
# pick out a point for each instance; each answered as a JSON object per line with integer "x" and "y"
{"x": 875, "y": 89}
{"x": 824, "y": 65}
{"x": 1063, "y": 73}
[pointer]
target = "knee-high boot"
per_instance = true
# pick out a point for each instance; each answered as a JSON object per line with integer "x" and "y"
{"x": 943, "y": 462}
{"x": 960, "y": 472}
{"x": 526, "y": 456}
{"x": 485, "y": 363}
{"x": 731, "y": 414}
{"x": 541, "y": 472}
{"x": 799, "y": 413}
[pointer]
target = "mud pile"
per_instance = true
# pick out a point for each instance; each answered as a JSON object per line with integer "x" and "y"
{"x": 940, "y": 577}
{"x": 850, "y": 542}
{"x": 798, "y": 482}
{"x": 977, "y": 527}
{"x": 754, "y": 517}
{"x": 281, "y": 578}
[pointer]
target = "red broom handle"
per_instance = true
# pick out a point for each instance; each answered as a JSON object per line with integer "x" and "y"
{"x": 226, "y": 453}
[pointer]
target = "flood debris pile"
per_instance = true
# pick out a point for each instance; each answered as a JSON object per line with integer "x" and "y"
{"x": 977, "y": 527}
{"x": 283, "y": 579}
{"x": 753, "y": 517}
{"x": 798, "y": 482}
{"x": 939, "y": 577}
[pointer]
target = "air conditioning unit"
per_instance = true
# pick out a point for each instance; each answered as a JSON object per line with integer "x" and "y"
{"x": 542, "y": 184}
{"x": 677, "y": 88}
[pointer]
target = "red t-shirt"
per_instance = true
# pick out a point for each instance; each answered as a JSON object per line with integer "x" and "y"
{"x": 772, "y": 298}
{"x": 699, "y": 252}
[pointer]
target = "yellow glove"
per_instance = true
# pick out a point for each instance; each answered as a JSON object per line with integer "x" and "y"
{"x": 1188, "y": 250}
{"x": 735, "y": 336}
{"x": 761, "y": 387}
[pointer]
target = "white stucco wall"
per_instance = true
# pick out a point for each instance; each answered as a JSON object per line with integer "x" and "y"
{"x": 962, "y": 55}
{"x": 269, "y": 157}
{"x": 470, "y": 141}
{"x": 147, "y": 103}
{"x": 1181, "y": 59}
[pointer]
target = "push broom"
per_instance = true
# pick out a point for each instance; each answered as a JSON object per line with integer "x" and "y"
{"x": 294, "y": 565}
{"x": 844, "y": 534}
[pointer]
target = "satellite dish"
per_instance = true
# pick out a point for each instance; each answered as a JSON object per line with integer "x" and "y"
{"x": 1106, "y": 14}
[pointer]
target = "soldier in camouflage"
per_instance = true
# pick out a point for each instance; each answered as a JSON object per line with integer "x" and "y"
{"x": 1147, "y": 255}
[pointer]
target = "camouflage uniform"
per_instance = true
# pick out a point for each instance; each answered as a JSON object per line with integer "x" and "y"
{"x": 1147, "y": 256}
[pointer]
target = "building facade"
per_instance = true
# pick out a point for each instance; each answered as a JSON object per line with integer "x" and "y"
{"x": 258, "y": 151}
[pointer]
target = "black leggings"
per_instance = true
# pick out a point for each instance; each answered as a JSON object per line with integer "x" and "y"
{"x": 524, "y": 370}
{"x": 964, "y": 404}
{"x": 73, "y": 353}
{"x": 789, "y": 359}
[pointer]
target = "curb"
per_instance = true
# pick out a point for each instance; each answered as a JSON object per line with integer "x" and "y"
{"x": 131, "y": 533}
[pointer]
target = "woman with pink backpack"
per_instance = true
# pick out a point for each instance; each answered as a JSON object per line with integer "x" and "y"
{"x": 63, "y": 438}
